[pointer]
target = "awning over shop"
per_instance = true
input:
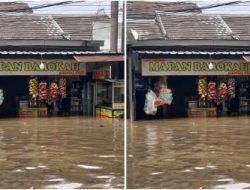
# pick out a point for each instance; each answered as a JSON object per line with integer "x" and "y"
{"x": 99, "y": 58}
{"x": 196, "y": 53}
{"x": 246, "y": 58}
{"x": 53, "y": 52}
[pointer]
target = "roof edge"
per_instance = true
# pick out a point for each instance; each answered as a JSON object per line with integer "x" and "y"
{"x": 49, "y": 42}
{"x": 190, "y": 43}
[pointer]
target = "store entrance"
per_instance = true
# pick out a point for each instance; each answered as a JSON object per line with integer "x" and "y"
{"x": 45, "y": 96}
{"x": 192, "y": 98}
{"x": 13, "y": 87}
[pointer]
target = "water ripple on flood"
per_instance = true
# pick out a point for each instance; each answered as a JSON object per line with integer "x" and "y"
{"x": 64, "y": 185}
{"x": 190, "y": 152}
{"x": 90, "y": 167}
{"x": 67, "y": 148}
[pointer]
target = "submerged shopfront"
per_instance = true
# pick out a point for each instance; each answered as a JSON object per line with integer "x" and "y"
{"x": 198, "y": 60}
{"x": 189, "y": 83}
{"x": 43, "y": 84}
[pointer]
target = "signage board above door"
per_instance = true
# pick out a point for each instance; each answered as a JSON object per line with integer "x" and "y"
{"x": 51, "y": 67}
{"x": 163, "y": 67}
{"x": 102, "y": 73}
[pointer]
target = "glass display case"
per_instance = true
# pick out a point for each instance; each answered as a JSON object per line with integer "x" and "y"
{"x": 103, "y": 94}
{"x": 118, "y": 94}
{"x": 110, "y": 98}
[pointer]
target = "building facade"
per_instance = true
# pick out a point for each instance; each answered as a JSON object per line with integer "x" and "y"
{"x": 198, "y": 61}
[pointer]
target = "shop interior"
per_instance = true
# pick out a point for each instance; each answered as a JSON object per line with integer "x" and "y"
{"x": 47, "y": 96}
{"x": 40, "y": 96}
{"x": 197, "y": 96}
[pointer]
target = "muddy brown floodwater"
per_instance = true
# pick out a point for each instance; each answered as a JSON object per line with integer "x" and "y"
{"x": 70, "y": 152}
{"x": 189, "y": 153}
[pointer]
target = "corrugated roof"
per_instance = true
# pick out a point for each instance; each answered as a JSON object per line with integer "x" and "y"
{"x": 239, "y": 25}
{"x": 147, "y": 29}
{"x": 194, "y": 26}
{"x": 197, "y": 26}
{"x": 28, "y": 26}
{"x": 246, "y": 58}
{"x": 147, "y": 9}
{"x": 58, "y": 53}
{"x": 35, "y": 26}
{"x": 195, "y": 52}
{"x": 99, "y": 58}
{"x": 15, "y": 7}
{"x": 76, "y": 28}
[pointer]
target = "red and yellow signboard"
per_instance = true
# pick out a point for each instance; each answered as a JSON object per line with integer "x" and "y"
{"x": 102, "y": 73}
{"x": 109, "y": 113}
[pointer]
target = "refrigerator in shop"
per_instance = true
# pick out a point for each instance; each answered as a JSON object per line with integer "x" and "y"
{"x": 244, "y": 107}
{"x": 88, "y": 100}
{"x": 76, "y": 107}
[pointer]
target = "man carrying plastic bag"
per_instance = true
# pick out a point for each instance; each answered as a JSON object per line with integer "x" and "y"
{"x": 150, "y": 108}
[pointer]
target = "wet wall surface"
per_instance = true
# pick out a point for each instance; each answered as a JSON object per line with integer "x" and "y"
{"x": 189, "y": 153}
{"x": 70, "y": 152}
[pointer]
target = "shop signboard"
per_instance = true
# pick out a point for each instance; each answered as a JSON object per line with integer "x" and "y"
{"x": 119, "y": 84}
{"x": 118, "y": 114}
{"x": 163, "y": 67}
{"x": 118, "y": 105}
{"x": 102, "y": 73}
{"x": 32, "y": 67}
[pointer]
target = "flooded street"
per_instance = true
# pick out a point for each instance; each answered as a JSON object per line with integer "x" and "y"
{"x": 189, "y": 153}
{"x": 70, "y": 152}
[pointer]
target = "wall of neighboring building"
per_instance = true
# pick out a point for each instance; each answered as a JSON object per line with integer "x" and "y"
{"x": 101, "y": 31}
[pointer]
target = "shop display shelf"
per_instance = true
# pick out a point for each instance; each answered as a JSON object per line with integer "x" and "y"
{"x": 244, "y": 107}
{"x": 33, "y": 112}
{"x": 76, "y": 98}
{"x": 202, "y": 112}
